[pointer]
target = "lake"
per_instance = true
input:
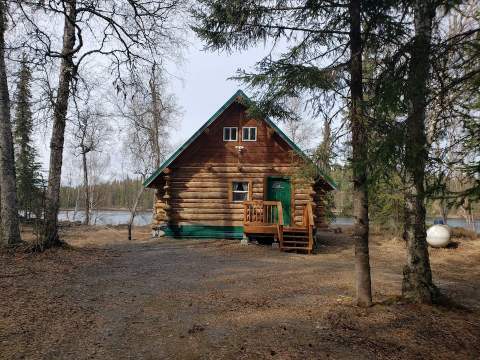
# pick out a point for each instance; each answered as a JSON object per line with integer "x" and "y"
{"x": 107, "y": 217}
{"x": 345, "y": 220}
{"x": 118, "y": 217}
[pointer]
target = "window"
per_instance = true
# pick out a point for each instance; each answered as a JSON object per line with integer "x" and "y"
{"x": 229, "y": 134}
{"x": 240, "y": 191}
{"x": 249, "y": 134}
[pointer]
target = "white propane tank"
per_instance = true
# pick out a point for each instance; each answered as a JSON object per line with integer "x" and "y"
{"x": 438, "y": 235}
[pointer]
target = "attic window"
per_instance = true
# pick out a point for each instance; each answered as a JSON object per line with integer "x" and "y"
{"x": 249, "y": 134}
{"x": 229, "y": 134}
{"x": 240, "y": 191}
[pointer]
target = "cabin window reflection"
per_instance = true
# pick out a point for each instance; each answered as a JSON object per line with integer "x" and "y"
{"x": 229, "y": 134}
{"x": 249, "y": 134}
{"x": 240, "y": 191}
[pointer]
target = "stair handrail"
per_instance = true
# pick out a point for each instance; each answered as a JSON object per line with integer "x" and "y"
{"x": 309, "y": 223}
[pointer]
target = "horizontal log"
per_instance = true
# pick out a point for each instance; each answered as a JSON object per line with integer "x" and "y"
{"x": 225, "y": 188}
{"x": 201, "y": 195}
{"x": 194, "y": 164}
{"x": 222, "y": 210}
{"x": 209, "y": 222}
{"x": 277, "y": 166}
{"x": 302, "y": 197}
{"x": 201, "y": 201}
{"x": 206, "y": 205}
{"x": 209, "y": 177}
{"x": 301, "y": 202}
{"x": 199, "y": 217}
{"x": 304, "y": 192}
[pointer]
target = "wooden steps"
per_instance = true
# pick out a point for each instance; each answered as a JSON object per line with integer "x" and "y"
{"x": 296, "y": 239}
{"x": 266, "y": 217}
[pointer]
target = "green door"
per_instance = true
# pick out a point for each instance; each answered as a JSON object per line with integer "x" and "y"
{"x": 279, "y": 189}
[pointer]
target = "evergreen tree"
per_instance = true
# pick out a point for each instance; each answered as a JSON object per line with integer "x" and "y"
{"x": 27, "y": 168}
{"x": 323, "y": 61}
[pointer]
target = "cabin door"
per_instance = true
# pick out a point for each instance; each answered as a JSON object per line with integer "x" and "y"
{"x": 279, "y": 189}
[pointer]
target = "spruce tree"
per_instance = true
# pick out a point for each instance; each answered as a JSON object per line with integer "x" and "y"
{"x": 323, "y": 63}
{"x": 27, "y": 168}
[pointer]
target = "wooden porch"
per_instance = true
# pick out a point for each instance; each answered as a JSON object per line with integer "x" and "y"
{"x": 266, "y": 218}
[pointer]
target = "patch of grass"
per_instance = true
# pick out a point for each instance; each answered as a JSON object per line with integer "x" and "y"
{"x": 461, "y": 233}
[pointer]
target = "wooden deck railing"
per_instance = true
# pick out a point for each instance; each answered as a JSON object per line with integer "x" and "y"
{"x": 266, "y": 217}
{"x": 263, "y": 212}
{"x": 263, "y": 217}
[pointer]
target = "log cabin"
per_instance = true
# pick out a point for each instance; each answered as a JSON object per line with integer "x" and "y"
{"x": 240, "y": 176}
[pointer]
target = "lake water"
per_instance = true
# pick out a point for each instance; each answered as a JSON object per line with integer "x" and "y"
{"x": 108, "y": 217}
{"x": 343, "y": 220}
{"x": 118, "y": 217}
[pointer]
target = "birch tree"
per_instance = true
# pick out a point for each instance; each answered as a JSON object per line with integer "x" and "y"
{"x": 150, "y": 113}
{"x": 10, "y": 231}
{"x": 126, "y": 33}
{"x": 90, "y": 134}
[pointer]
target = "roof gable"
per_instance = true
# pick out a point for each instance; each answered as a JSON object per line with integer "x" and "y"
{"x": 240, "y": 97}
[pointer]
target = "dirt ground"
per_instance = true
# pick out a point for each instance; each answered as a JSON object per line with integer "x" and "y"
{"x": 107, "y": 298}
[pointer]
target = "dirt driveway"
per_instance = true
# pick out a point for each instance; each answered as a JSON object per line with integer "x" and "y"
{"x": 175, "y": 299}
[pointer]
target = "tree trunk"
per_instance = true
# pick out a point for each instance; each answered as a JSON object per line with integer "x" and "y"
{"x": 359, "y": 163}
{"x": 85, "y": 185}
{"x": 157, "y": 116}
{"x": 50, "y": 236}
{"x": 157, "y": 120}
{"x": 133, "y": 211}
{"x": 417, "y": 276}
{"x": 10, "y": 231}
{"x": 444, "y": 211}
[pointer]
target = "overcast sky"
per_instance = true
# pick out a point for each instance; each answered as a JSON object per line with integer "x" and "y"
{"x": 201, "y": 86}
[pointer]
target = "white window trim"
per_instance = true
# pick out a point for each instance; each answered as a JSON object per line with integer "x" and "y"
{"x": 230, "y": 127}
{"x": 249, "y": 127}
{"x": 242, "y": 192}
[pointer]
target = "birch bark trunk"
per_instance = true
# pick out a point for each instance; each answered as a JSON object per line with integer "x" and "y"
{"x": 85, "y": 185}
{"x": 10, "y": 231}
{"x": 50, "y": 236}
{"x": 133, "y": 211}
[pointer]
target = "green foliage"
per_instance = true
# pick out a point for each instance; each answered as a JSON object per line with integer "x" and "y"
{"x": 30, "y": 183}
{"x": 342, "y": 197}
{"x": 386, "y": 203}
{"x": 472, "y": 144}
{"x": 316, "y": 34}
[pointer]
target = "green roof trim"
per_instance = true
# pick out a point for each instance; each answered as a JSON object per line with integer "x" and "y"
{"x": 229, "y": 102}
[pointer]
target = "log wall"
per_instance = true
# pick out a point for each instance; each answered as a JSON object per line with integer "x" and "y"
{"x": 195, "y": 188}
{"x": 200, "y": 194}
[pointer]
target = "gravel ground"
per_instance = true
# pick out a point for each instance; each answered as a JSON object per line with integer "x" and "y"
{"x": 107, "y": 298}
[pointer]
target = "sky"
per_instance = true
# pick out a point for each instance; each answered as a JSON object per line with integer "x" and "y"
{"x": 201, "y": 86}
{"x": 201, "y": 83}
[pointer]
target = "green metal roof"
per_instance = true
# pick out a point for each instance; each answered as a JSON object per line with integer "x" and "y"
{"x": 241, "y": 94}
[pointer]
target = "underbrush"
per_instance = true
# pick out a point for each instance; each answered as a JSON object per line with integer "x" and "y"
{"x": 461, "y": 233}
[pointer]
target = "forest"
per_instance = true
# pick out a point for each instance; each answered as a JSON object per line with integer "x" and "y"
{"x": 384, "y": 97}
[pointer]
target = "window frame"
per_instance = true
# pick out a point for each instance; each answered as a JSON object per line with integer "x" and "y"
{"x": 248, "y": 192}
{"x": 249, "y": 127}
{"x": 230, "y": 133}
